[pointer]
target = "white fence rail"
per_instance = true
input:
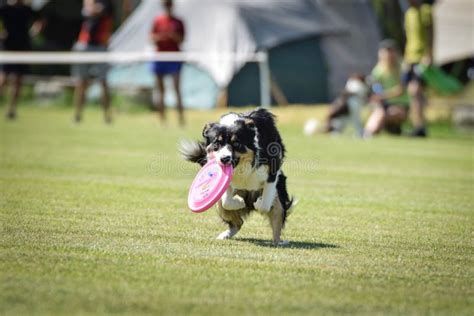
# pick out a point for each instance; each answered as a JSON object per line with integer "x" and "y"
{"x": 50, "y": 58}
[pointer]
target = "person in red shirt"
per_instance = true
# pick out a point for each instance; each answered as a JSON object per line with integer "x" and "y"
{"x": 93, "y": 37}
{"x": 168, "y": 34}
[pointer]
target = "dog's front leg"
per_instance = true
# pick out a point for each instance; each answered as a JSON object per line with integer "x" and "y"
{"x": 231, "y": 201}
{"x": 264, "y": 203}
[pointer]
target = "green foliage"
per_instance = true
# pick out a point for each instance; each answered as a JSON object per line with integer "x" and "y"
{"x": 390, "y": 18}
{"x": 94, "y": 221}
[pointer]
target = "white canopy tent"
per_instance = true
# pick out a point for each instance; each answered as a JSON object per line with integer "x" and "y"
{"x": 348, "y": 31}
{"x": 454, "y": 30}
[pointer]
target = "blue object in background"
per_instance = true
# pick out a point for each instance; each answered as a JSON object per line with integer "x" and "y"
{"x": 377, "y": 88}
{"x": 198, "y": 89}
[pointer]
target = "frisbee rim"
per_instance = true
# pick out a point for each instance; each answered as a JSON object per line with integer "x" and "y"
{"x": 226, "y": 173}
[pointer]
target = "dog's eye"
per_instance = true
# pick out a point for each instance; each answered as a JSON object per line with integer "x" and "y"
{"x": 215, "y": 146}
{"x": 236, "y": 145}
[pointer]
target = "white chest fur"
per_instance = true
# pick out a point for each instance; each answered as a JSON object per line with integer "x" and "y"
{"x": 248, "y": 178}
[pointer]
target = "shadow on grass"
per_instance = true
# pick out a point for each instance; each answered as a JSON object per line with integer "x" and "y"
{"x": 291, "y": 244}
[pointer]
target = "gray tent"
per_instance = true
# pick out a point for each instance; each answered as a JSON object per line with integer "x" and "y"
{"x": 313, "y": 46}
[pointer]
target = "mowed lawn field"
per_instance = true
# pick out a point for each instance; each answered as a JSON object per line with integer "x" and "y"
{"x": 94, "y": 221}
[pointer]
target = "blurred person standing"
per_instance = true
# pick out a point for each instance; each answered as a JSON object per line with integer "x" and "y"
{"x": 389, "y": 97}
{"x": 168, "y": 34}
{"x": 17, "y": 18}
{"x": 3, "y": 35}
{"x": 94, "y": 37}
{"x": 419, "y": 49}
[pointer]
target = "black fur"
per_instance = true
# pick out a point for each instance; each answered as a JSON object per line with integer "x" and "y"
{"x": 285, "y": 199}
{"x": 271, "y": 150}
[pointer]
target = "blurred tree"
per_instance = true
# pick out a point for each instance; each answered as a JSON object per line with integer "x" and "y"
{"x": 62, "y": 20}
{"x": 123, "y": 8}
{"x": 390, "y": 18}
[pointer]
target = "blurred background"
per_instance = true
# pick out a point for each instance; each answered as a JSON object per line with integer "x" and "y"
{"x": 313, "y": 46}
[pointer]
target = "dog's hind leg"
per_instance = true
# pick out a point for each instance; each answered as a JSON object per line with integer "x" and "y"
{"x": 276, "y": 217}
{"x": 231, "y": 218}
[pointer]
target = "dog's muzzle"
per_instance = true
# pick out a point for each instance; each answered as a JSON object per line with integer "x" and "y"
{"x": 225, "y": 160}
{"x": 224, "y": 156}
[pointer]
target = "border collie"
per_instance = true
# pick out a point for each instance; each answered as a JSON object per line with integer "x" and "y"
{"x": 252, "y": 144}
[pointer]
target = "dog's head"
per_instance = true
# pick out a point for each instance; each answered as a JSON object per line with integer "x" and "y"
{"x": 231, "y": 140}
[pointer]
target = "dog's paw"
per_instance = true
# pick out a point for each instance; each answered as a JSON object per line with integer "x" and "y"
{"x": 259, "y": 207}
{"x": 233, "y": 203}
{"x": 227, "y": 234}
{"x": 282, "y": 243}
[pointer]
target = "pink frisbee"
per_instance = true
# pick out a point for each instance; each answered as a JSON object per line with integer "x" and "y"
{"x": 209, "y": 186}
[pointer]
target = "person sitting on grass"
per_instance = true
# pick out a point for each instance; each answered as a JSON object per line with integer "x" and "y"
{"x": 167, "y": 34}
{"x": 389, "y": 96}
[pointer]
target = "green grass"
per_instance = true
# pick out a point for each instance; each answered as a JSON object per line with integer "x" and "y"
{"x": 94, "y": 221}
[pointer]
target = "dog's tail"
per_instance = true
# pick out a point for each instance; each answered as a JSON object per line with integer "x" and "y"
{"x": 291, "y": 205}
{"x": 287, "y": 203}
{"x": 288, "y": 208}
{"x": 193, "y": 151}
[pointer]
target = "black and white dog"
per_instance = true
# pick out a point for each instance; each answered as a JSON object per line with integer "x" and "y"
{"x": 252, "y": 144}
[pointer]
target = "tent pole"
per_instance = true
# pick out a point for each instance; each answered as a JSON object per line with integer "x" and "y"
{"x": 265, "y": 86}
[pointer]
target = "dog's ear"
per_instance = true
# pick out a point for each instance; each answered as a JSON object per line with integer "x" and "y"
{"x": 249, "y": 123}
{"x": 207, "y": 128}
